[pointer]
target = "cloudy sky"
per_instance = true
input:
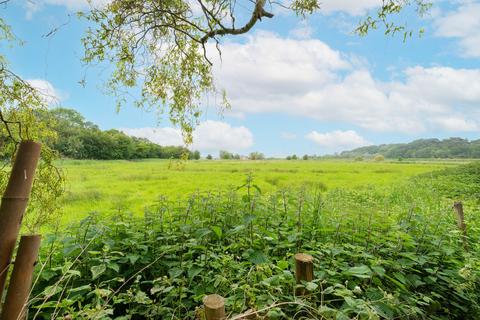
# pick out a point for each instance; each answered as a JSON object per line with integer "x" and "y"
{"x": 295, "y": 86}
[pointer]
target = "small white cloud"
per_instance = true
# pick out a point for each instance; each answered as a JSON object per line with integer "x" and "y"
{"x": 351, "y": 7}
{"x": 208, "y": 136}
{"x": 337, "y": 140}
{"x": 462, "y": 24}
{"x": 46, "y": 90}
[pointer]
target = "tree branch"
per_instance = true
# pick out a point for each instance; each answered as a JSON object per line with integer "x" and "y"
{"x": 257, "y": 15}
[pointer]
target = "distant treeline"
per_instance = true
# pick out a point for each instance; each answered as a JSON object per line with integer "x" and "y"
{"x": 81, "y": 139}
{"x": 423, "y": 148}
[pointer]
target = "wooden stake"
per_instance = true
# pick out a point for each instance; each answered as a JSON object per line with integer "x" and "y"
{"x": 214, "y": 306}
{"x": 14, "y": 202}
{"x": 458, "y": 207}
{"x": 303, "y": 269}
{"x": 15, "y": 306}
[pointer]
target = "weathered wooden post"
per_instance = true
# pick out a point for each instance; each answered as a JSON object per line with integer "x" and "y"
{"x": 303, "y": 269}
{"x": 14, "y": 202}
{"x": 214, "y": 306}
{"x": 15, "y": 306}
{"x": 458, "y": 207}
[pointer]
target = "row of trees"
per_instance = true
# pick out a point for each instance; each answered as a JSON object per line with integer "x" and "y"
{"x": 423, "y": 148}
{"x": 225, "y": 155}
{"x": 81, "y": 139}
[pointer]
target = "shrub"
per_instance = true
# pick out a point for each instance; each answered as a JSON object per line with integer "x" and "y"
{"x": 391, "y": 257}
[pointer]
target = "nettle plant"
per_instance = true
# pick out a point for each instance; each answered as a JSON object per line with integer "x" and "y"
{"x": 379, "y": 254}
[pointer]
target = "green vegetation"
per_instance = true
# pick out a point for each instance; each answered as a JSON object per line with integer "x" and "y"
{"x": 423, "y": 148}
{"x": 109, "y": 187}
{"x": 78, "y": 138}
{"x": 389, "y": 249}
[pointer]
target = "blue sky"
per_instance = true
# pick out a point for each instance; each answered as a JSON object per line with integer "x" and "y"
{"x": 295, "y": 86}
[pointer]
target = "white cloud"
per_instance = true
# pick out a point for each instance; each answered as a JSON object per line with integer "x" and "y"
{"x": 302, "y": 31}
{"x": 308, "y": 78}
{"x": 46, "y": 90}
{"x": 209, "y": 136}
{"x": 352, "y": 7}
{"x": 338, "y": 140}
{"x": 163, "y": 136}
{"x": 456, "y": 124}
{"x": 32, "y": 6}
{"x": 463, "y": 24}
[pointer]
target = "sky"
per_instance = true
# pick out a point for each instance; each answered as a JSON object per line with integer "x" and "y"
{"x": 296, "y": 86}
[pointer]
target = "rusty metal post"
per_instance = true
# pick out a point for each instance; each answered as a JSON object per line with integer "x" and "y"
{"x": 15, "y": 306}
{"x": 14, "y": 202}
{"x": 214, "y": 306}
{"x": 303, "y": 269}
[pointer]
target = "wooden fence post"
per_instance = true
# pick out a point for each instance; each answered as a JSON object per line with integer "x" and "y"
{"x": 15, "y": 306}
{"x": 214, "y": 306}
{"x": 458, "y": 207}
{"x": 303, "y": 269}
{"x": 14, "y": 202}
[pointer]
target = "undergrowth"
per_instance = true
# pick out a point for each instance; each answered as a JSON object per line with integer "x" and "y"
{"x": 391, "y": 253}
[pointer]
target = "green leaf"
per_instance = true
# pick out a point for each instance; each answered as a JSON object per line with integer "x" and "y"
{"x": 362, "y": 271}
{"x": 192, "y": 272}
{"x": 114, "y": 266}
{"x": 86, "y": 287}
{"x": 282, "y": 264}
{"x": 311, "y": 286}
{"x": 97, "y": 271}
{"x": 384, "y": 310}
{"x": 218, "y": 231}
{"x": 175, "y": 272}
{"x": 257, "y": 257}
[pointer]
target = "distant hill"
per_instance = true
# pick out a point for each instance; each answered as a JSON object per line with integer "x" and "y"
{"x": 423, "y": 148}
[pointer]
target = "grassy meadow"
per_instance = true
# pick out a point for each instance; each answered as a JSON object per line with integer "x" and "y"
{"x": 108, "y": 187}
{"x": 149, "y": 239}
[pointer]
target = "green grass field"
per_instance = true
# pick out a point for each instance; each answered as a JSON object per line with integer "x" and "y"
{"x": 111, "y": 186}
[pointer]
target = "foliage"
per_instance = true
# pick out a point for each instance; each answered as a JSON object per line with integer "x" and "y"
{"x": 256, "y": 156}
{"x": 20, "y": 105}
{"x": 82, "y": 139}
{"x": 226, "y": 155}
{"x": 160, "y": 48}
{"x": 379, "y": 158}
{"x": 393, "y": 254}
{"x": 422, "y": 148}
{"x": 458, "y": 183}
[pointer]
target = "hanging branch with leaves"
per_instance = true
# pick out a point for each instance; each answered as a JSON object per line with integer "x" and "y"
{"x": 22, "y": 110}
